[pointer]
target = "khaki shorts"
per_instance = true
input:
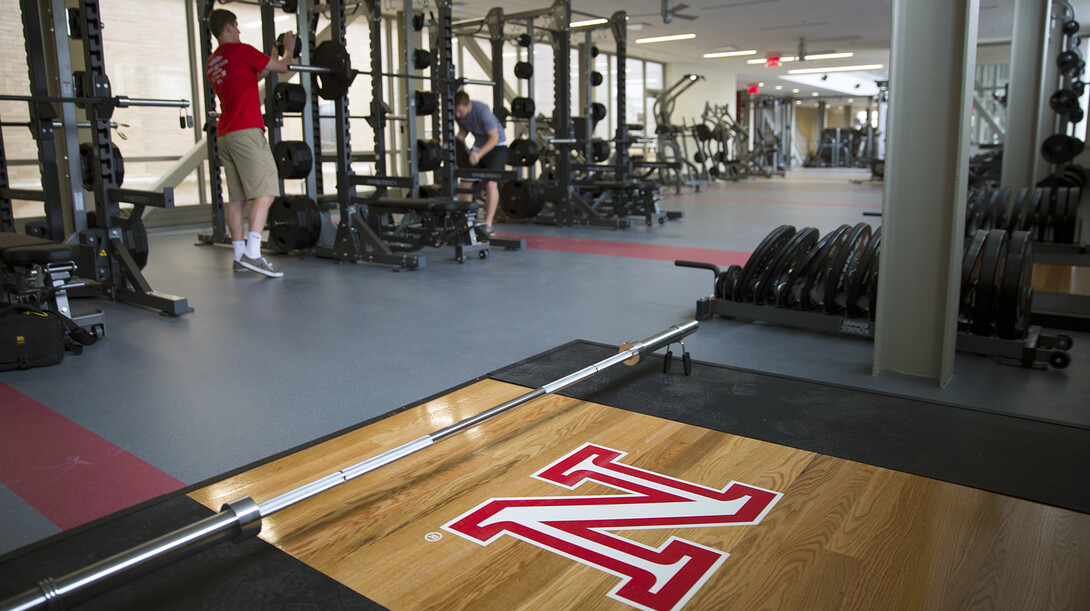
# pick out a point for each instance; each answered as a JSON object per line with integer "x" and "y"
{"x": 249, "y": 165}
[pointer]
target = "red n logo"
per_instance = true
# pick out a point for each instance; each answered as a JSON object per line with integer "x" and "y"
{"x": 578, "y": 527}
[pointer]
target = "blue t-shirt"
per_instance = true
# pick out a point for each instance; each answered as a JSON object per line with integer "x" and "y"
{"x": 479, "y": 121}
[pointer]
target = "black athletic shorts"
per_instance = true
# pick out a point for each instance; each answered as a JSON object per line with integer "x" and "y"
{"x": 496, "y": 159}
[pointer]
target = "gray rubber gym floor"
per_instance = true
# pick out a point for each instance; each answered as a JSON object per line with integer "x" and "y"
{"x": 263, "y": 365}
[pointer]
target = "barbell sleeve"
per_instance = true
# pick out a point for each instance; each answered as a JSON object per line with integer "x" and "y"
{"x": 242, "y": 518}
{"x": 125, "y": 102}
{"x": 94, "y": 579}
{"x": 469, "y": 81}
{"x": 120, "y": 101}
{"x": 310, "y": 69}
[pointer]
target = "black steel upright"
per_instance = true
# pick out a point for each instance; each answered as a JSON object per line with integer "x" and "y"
{"x": 7, "y": 213}
{"x": 219, "y": 218}
{"x": 42, "y": 115}
{"x": 113, "y": 265}
{"x": 618, "y": 23}
{"x": 442, "y": 46}
{"x": 560, "y": 30}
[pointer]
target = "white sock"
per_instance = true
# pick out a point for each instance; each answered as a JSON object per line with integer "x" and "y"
{"x": 240, "y": 248}
{"x": 253, "y": 245}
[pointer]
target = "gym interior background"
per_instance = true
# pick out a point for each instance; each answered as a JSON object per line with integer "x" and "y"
{"x": 261, "y": 366}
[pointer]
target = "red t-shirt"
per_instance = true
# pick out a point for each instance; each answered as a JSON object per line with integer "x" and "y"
{"x": 233, "y": 71}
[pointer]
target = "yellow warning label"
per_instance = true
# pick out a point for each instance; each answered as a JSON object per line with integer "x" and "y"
{"x": 20, "y": 339}
{"x": 102, "y": 253}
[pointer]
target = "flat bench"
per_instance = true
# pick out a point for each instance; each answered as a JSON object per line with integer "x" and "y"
{"x": 425, "y": 205}
{"x": 20, "y": 249}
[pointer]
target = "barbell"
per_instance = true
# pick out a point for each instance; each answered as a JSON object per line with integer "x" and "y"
{"x": 331, "y": 66}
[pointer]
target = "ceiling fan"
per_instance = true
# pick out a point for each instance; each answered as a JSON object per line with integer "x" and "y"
{"x": 669, "y": 11}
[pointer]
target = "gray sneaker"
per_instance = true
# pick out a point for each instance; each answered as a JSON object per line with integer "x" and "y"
{"x": 238, "y": 267}
{"x": 260, "y": 265}
{"x": 484, "y": 232}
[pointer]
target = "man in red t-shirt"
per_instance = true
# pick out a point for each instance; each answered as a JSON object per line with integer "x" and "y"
{"x": 234, "y": 70}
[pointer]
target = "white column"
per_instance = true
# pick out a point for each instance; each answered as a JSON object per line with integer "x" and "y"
{"x": 1025, "y": 101}
{"x": 933, "y": 59}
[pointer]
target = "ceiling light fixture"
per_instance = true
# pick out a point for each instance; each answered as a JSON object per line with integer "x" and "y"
{"x": 792, "y": 58}
{"x": 787, "y": 58}
{"x": 583, "y": 24}
{"x": 829, "y": 56}
{"x": 836, "y": 69}
{"x": 641, "y": 41}
{"x": 731, "y": 54}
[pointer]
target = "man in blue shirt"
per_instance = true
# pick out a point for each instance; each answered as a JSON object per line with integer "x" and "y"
{"x": 489, "y": 149}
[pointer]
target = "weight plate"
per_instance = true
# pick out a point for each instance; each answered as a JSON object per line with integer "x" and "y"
{"x": 760, "y": 288}
{"x": 985, "y": 299}
{"x": 1033, "y": 202}
{"x": 974, "y": 219}
{"x": 813, "y": 287}
{"x": 789, "y": 293}
{"x": 1001, "y": 209}
{"x": 730, "y": 278}
{"x": 762, "y": 256}
{"x": 853, "y": 249}
{"x": 332, "y": 85}
{"x": 1045, "y": 209}
{"x": 1016, "y": 288}
{"x": 1016, "y": 210}
{"x": 720, "y": 279}
{"x": 1065, "y": 223}
{"x": 970, "y": 272}
{"x": 987, "y": 211}
{"x": 792, "y": 257}
{"x": 294, "y": 222}
{"x": 854, "y": 304}
{"x": 871, "y": 282}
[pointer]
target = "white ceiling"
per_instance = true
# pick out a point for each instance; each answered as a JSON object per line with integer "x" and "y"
{"x": 772, "y": 27}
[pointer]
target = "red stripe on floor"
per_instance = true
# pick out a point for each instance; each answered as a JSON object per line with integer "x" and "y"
{"x": 66, "y": 472}
{"x": 634, "y": 250}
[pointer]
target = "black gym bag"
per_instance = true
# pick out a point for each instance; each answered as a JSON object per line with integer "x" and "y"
{"x": 30, "y": 337}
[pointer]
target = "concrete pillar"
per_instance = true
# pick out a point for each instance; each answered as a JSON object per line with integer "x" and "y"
{"x": 933, "y": 60}
{"x": 1025, "y": 101}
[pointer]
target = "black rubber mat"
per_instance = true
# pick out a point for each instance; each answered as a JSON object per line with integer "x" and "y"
{"x": 1028, "y": 459}
{"x": 251, "y": 575}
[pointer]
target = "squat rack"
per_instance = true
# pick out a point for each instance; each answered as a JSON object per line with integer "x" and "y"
{"x": 107, "y": 258}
